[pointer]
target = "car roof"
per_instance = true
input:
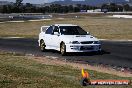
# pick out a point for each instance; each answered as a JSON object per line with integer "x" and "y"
{"x": 65, "y": 25}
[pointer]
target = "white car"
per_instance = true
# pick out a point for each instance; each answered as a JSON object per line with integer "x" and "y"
{"x": 67, "y": 38}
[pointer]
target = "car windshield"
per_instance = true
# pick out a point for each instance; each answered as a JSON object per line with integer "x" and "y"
{"x": 72, "y": 30}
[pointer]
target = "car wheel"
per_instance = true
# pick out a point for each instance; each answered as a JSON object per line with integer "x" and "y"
{"x": 99, "y": 52}
{"x": 42, "y": 46}
{"x": 63, "y": 49}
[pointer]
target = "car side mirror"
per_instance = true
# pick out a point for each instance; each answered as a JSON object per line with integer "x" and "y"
{"x": 88, "y": 33}
{"x": 56, "y": 33}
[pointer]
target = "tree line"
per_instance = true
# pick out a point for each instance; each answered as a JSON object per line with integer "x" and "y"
{"x": 54, "y": 8}
{"x": 112, "y": 7}
{"x": 18, "y": 7}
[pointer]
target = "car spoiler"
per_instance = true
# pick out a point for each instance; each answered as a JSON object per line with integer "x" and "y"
{"x": 44, "y": 28}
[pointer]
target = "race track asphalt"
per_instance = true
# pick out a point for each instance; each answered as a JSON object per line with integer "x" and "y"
{"x": 114, "y": 53}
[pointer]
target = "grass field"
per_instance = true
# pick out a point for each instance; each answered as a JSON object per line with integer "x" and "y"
{"x": 101, "y": 27}
{"x": 17, "y": 71}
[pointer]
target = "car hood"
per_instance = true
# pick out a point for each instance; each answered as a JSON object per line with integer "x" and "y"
{"x": 78, "y": 38}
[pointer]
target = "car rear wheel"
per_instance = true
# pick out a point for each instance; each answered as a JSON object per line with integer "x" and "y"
{"x": 63, "y": 49}
{"x": 42, "y": 46}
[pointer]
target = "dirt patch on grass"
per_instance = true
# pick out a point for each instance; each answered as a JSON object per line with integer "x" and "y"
{"x": 54, "y": 61}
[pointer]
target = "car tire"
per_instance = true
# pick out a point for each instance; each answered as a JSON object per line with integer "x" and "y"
{"x": 63, "y": 49}
{"x": 42, "y": 46}
{"x": 99, "y": 52}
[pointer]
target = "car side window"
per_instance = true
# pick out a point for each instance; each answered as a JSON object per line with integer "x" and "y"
{"x": 49, "y": 30}
{"x": 56, "y": 29}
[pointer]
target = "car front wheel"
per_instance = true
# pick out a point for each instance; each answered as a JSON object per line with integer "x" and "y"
{"x": 63, "y": 49}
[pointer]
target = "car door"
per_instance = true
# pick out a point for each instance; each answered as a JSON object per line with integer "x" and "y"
{"x": 48, "y": 37}
{"x": 55, "y": 37}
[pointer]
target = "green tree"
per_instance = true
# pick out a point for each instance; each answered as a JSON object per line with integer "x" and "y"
{"x": 18, "y": 3}
{"x": 76, "y": 9}
{"x": 65, "y": 9}
{"x": 126, "y": 7}
{"x": 5, "y": 9}
{"x": 84, "y": 7}
{"x": 70, "y": 8}
{"x": 18, "y": 6}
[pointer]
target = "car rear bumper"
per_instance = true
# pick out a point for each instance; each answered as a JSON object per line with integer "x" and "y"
{"x": 83, "y": 47}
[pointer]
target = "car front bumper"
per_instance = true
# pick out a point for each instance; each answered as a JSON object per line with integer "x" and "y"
{"x": 83, "y": 47}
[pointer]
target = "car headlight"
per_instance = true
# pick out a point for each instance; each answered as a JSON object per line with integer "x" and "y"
{"x": 74, "y": 42}
{"x": 96, "y": 42}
